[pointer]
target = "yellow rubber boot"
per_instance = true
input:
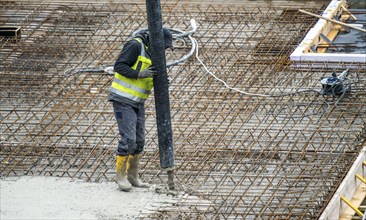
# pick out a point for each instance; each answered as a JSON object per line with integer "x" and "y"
{"x": 123, "y": 184}
{"x": 132, "y": 171}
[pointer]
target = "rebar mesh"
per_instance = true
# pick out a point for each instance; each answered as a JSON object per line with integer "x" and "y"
{"x": 237, "y": 156}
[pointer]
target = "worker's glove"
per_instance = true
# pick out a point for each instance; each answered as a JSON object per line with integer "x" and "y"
{"x": 109, "y": 70}
{"x": 147, "y": 73}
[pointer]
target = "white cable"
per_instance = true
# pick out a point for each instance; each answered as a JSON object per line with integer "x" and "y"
{"x": 222, "y": 81}
{"x": 109, "y": 68}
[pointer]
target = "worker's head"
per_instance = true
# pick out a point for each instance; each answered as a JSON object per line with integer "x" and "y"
{"x": 168, "y": 38}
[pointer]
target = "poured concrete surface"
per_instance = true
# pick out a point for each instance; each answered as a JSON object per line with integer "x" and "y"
{"x": 354, "y": 41}
{"x": 40, "y": 197}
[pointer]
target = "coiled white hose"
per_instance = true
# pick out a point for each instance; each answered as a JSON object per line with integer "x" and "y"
{"x": 177, "y": 34}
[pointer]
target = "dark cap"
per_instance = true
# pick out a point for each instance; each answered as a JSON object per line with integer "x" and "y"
{"x": 168, "y": 38}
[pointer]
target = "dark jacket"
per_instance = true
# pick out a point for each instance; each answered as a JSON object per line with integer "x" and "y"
{"x": 126, "y": 59}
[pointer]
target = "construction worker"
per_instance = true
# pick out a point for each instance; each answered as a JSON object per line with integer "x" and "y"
{"x": 133, "y": 80}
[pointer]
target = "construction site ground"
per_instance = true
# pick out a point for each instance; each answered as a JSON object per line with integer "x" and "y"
{"x": 40, "y": 197}
{"x": 272, "y": 148}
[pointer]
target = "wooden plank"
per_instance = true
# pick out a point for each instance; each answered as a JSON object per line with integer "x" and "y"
{"x": 332, "y": 34}
{"x": 356, "y": 200}
{"x": 332, "y": 20}
{"x": 349, "y": 13}
{"x": 348, "y": 187}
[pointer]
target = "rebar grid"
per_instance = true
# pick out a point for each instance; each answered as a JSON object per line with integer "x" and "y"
{"x": 237, "y": 156}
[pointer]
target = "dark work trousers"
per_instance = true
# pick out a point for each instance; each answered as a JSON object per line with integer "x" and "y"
{"x": 131, "y": 126}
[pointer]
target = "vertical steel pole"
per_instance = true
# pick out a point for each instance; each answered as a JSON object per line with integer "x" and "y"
{"x": 161, "y": 89}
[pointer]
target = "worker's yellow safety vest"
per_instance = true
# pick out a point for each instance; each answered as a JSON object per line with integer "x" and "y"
{"x": 137, "y": 90}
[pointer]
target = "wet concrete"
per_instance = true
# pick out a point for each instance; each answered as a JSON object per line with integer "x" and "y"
{"x": 354, "y": 41}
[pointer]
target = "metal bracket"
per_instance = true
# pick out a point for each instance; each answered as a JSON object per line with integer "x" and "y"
{"x": 313, "y": 49}
{"x": 343, "y": 26}
{"x": 328, "y": 41}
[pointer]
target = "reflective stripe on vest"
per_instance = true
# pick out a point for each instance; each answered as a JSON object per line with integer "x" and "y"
{"x": 137, "y": 90}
